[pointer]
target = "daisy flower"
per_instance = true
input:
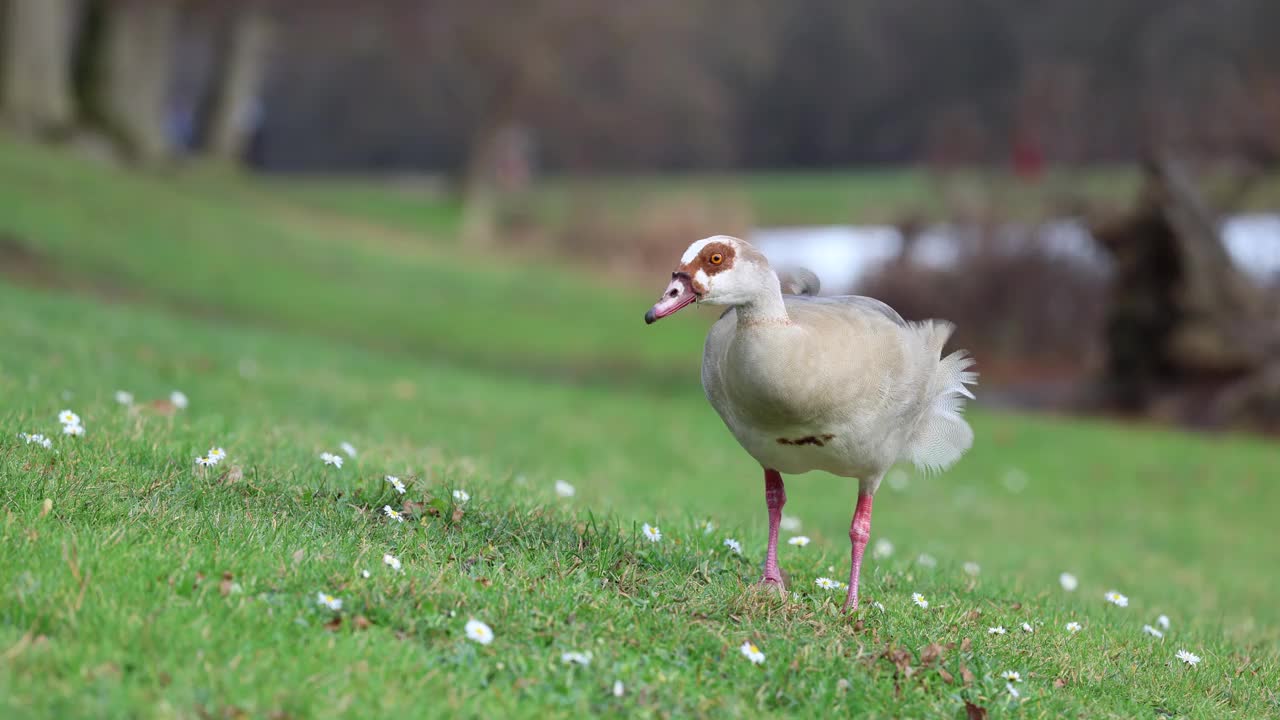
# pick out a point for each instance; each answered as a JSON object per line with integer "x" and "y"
{"x": 1152, "y": 631}
{"x": 395, "y": 483}
{"x": 798, "y": 541}
{"x": 348, "y": 448}
{"x": 203, "y": 461}
{"x": 461, "y": 496}
{"x": 365, "y": 574}
{"x": 1026, "y": 628}
{"x": 618, "y": 689}
{"x": 36, "y": 439}
{"x": 972, "y": 568}
{"x": 997, "y": 630}
{"x": 1188, "y": 657}
{"x": 919, "y": 600}
{"x": 883, "y": 549}
{"x": 1013, "y": 691}
{"x": 124, "y": 397}
{"x": 877, "y": 605}
{"x": 391, "y": 561}
{"x": 179, "y": 399}
{"x": 329, "y": 601}
{"x": 393, "y": 514}
{"x": 1068, "y": 582}
{"x": 827, "y": 583}
{"x": 708, "y": 527}
{"x": 45, "y": 442}
{"x": 1074, "y": 627}
{"x": 66, "y": 417}
{"x": 1163, "y": 622}
{"x": 331, "y": 459}
{"x": 1117, "y": 599}
{"x": 926, "y": 560}
{"x": 651, "y": 532}
{"x": 790, "y": 523}
{"x": 564, "y": 489}
{"x": 73, "y": 429}
{"x": 752, "y": 653}
{"x": 733, "y": 545}
{"x": 1011, "y": 676}
{"x": 479, "y": 632}
{"x": 217, "y": 455}
{"x": 576, "y": 658}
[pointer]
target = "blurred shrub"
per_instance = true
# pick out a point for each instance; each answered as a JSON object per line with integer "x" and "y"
{"x": 1012, "y": 299}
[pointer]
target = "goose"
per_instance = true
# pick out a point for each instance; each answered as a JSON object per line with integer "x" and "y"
{"x": 839, "y": 384}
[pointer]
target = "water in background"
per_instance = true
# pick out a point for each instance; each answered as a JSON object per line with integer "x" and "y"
{"x": 842, "y": 254}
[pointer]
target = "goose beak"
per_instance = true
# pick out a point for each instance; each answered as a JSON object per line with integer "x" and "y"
{"x": 677, "y": 295}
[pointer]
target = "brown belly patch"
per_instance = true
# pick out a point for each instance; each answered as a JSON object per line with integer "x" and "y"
{"x": 818, "y": 440}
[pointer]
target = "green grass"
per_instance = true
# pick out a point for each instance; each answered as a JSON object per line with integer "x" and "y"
{"x": 116, "y": 546}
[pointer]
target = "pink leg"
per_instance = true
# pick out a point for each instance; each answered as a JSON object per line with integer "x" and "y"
{"x": 775, "y": 496}
{"x": 859, "y": 534}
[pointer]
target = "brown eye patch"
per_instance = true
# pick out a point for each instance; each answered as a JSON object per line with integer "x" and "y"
{"x": 716, "y": 257}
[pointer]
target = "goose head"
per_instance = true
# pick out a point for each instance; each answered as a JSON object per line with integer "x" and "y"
{"x": 719, "y": 270}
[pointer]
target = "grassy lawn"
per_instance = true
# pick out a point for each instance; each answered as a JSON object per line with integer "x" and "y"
{"x": 138, "y": 585}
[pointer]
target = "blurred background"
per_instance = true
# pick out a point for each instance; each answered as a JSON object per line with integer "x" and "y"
{"x": 1090, "y": 189}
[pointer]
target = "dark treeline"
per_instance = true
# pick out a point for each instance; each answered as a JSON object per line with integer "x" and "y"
{"x": 620, "y": 85}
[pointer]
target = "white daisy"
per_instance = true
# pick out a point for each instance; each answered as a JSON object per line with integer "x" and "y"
{"x": 708, "y": 527}
{"x": 393, "y": 514}
{"x": 124, "y": 397}
{"x": 204, "y": 461}
{"x": 798, "y": 541}
{"x": 331, "y": 459}
{"x": 618, "y": 688}
{"x": 752, "y": 653}
{"x": 1013, "y": 691}
{"x": 365, "y": 574}
{"x": 217, "y": 455}
{"x": 479, "y": 632}
{"x": 45, "y": 442}
{"x": 76, "y": 430}
{"x": 1068, "y": 582}
{"x": 179, "y": 399}
{"x": 877, "y": 605}
{"x": 997, "y": 630}
{"x": 395, "y": 483}
{"x": 1011, "y": 675}
{"x": 790, "y": 523}
{"x": 1163, "y": 621}
{"x": 66, "y": 417}
{"x": 1026, "y": 628}
{"x": 576, "y": 658}
{"x": 1074, "y": 627}
{"x": 36, "y": 439}
{"x": 883, "y": 549}
{"x": 827, "y": 583}
{"x": 918, "y": 599}
{"x": 1152, "y": 631}
{"x": 348, "y": 448}
{"x": 1117, "y": 599}
{"x": 972, "y": 568}
{"x": 329, "y": 601}
{"x": 391, "y": 561}
{"x": 564, "y": 489}
{"x": 1188, "y": 657}
{"x": 461, "y": 496}
{"x": 733, "y": 545}
{"x": 652, "y": 533}
{"x": 926, "y": 560}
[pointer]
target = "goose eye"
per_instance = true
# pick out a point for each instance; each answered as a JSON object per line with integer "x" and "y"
{"x": 716, "y": 258}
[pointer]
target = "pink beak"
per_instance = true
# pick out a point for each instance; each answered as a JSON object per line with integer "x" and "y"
{"x": 677, "y": 295}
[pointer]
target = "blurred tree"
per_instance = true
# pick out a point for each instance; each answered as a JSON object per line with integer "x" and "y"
{"x": 36, "y": 40}
{"x": 128, "y": 60}
{"x": 243, "y": 39}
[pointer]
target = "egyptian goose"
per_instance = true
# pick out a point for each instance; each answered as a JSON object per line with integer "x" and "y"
{"x": 841, "y": 384}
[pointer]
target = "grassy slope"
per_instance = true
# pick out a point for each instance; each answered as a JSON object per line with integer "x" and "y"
{"x": 105, "y": 613}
